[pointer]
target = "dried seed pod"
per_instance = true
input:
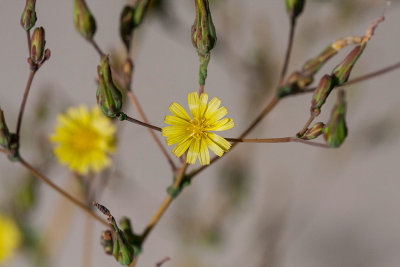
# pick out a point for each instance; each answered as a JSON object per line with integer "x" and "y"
{"x": 28, "y": 17}
{"x": 322, "y": 92}
{"x": 335, "y": 131}
{"x": 84, "y": 20}
{"x": 313, "y": 132}
{"x": 126, "y": 25}
{"x": 342, "y": 72}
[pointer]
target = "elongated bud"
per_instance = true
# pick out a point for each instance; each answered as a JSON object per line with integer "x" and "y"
{"x": 126, "y": 25}
{"x": 336, "y": 129}
{"x": 140, "y": 10}
{"x": 295, "y": 7}
{"x": 28, "y": 17}
{"x": 4, "y": 132}
{"x": 204, "y": 36}
{"x": 342, "y": 72}
{"x": 84, "y": 20}
{"x": 322, "y": 92}
{"x": 109, "y": 98}
{"x": 313, "y": 132}
{"x": 37, "y": 45}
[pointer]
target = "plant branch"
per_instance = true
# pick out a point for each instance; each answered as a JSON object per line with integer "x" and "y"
{"x": 28, "y": 38}
{"x": 165, "y": 204}
{"x": 96, "y": 47}
{"x": 141, "y": 123}
{"x": 24, "y": 99}
{"x": 61, "y": 191}
{"x": 139, "y": 109}
{"x": 308, "y": 123}
{"x": 277, "y": 140}
{"x": 288, "y": 50}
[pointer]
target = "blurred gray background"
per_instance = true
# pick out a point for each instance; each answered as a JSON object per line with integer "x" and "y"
{"x": 263, "y": 204}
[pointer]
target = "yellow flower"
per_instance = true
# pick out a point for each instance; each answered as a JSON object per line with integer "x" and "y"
{"x": 83, "y": 140}
{"x": 10, "y": 238}
{"x": 194, "y": 134}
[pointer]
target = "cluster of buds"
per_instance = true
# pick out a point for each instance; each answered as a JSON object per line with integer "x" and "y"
{"x": 109, "y": 97}
{"x": 131, "y": 18}
{"x": 203, "y": 36}
{"x": 8, "y": 141}
{"x": 122, "y": 243}
{"x": 84, "y": 20}
{"x": 28, "y": 17}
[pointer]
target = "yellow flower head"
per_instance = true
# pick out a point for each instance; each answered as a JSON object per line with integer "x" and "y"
{"x": 83, "y": 140}
{"x": 10, "y": 238}
{"x": 194, "y": 134}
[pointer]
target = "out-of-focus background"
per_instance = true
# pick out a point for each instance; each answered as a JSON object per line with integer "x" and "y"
{"x": 263, "y": 204}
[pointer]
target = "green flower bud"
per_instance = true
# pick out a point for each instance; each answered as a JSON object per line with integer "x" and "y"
{"x": 313, "y": 132}
{"x": 84, "y": 20}
{"x": 126, "y": 25}
{"x": 342, "y": 72}
{"x": 295, "y": 7}
{"x": 336, "y": 129}
{"x": 322, "y": 92}
{"x": 37, "y": 45}
{"x": 204, "y": 36}
{"x": 203, "y": 30}
{"x": 28, "y": 17}
{"x": 109, "y": 98}
{"x": 140, "y": 11}
{"x": 4, "y": 132}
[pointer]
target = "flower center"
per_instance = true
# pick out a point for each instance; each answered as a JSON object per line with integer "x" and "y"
{"x": 85, "y": 140}
{"x": 197, "y": 128}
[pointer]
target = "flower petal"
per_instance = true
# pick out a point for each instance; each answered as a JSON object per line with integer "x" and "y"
{"x": 173, "y": 130}
{"x": 212, "y": 107}
{"x": 220, "y": 141}
{"x": 176, "y": 121}
{"x": 194, "y": 150}
{"x": 214, "y": 147}
{"x": 204, "y": 156}
{"x": 179, "y": 111}
{"x": 194, "y": 105}
{"x": 203, "y": 105}
{"x": 222, "y": 125}
{"x": 182, "y": 146}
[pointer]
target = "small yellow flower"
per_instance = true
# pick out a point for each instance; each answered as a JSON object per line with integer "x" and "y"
{"x": 10, "y": 238}
{"x": 83, "y": 140}
{"x": 194, "y": 134}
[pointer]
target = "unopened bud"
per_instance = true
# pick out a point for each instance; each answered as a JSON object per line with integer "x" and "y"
{"x": 37, "y": 45}
{"x": 106, "y": 241}
{"x": 28, "y": 17}
{"x": 342, "y": 72}
{"x": 84, "y": 20}
{"x": 313, "y": 132}
{"x": 140, "y": 10}
{"x": 322, "y": 92}
{"x": 4, "y": 132}
{"x": 295, "y": 7}
{"x": 126, "y": 25}
{"x": 109, "y": 98}
{"x": 336, "y": 129}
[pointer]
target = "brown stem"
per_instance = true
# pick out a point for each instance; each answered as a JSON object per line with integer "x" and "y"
{"x": 61, "y": 191}
{"x": 139, "y": 109}
{"x": 308, "y": 123}
{"x": 23, "y": 103}
{"x": 260, "y": 140}
{"x": 96, "y": 46}
{"x": 288, "y": 51}
{"x": 362, "y": 77}
{"x": 135, "y": 121}
{"x": 201, "y": 89}
{"x": 307, "y": 142}
{"x": 165, "y": 204}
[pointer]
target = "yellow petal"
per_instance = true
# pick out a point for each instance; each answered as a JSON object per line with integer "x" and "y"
{"x": 214, "y": 147}
{"x": 212, "y": 107}
{"x": 176, "y": 121}
{"x": 179, "y": 111}
{"x": 173, "y": 131}
{"x": 194, "y": 105}
{"x": 219, "y": 114}
{"x": 203, "y": 105}
{"x": 181, "y": 148}
{"x": 220, "y": 141}
{"x": 222, "y": 125}
{"x": 193, "y": 152}
{"x": 204, "y": 156}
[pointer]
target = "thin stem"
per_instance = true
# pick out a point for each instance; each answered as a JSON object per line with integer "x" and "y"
{"x": 201, "y": 89}
{"x": 307, "y": 142}
{"x": 362, "y": 77}
{"x": 96, "y": 46}
{"x": 308, "y": 123}
{"x": 28, "y": 38}
{"x": 165, "y": 204}
{"x": 288, "y": 50}
{"x": 23, "y": 103}
{"x": 61, "y": 191}
{"x": 135, "y": 121}
{"x": 260, "y": 140}
{"x": 139, "y": 109}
